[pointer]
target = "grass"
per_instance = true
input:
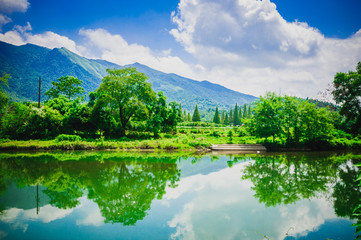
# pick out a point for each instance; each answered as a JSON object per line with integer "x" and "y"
{"x": 186, "y": 139}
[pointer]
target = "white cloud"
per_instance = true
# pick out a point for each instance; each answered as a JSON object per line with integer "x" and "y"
{"x": 247, "y": 46}
{"x": 4, "y": 20}
{"x": 18, "y": 218}
{"x": 99, "y": 43}
{"x": 20, "y": 35}
{"x": 10, "y": 6}
{"x": 225, "y": 208}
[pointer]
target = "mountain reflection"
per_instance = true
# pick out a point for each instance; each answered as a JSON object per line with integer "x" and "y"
{"x": 122, "y": 187}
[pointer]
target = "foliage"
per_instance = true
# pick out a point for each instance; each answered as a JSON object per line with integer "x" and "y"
{"x": 196, "y": 117}
{"x": 291, "y": 119}
{"x": 163, "y": 117}
{"x": 127, "y": 92}
{"x": 347, "y": 93}
{"x": 216, "y": 118}
{"x": 69, "y": 86}
{"x": 67, "y": 137}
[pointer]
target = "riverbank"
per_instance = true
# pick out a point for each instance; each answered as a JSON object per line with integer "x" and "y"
{"x": 166, "y": 142}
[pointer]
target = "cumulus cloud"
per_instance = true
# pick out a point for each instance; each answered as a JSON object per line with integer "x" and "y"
{"x": 99, "y": 43}
{"x": 247, "y": 44}
{"x": 10, "y": 6}
{"x": 20, "y": 35}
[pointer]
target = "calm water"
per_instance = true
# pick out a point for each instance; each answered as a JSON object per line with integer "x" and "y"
{"x": 106, "y": 195}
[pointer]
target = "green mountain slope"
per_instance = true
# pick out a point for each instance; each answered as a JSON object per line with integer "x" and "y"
{"x": 26, "y": 63}
{"x": 189, "y": 92}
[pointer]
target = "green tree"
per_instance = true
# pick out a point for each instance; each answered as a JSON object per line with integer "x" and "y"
{"x": 189, "y": 117}
{"x": 14, "y": 121}
{"x": 163, "y": 117}
{"x": 236, "y": 120}
{"x": 266, "y": 118}
{"x": 347, "y": 93}
{"x": 127, "y": 92}
{"x": 226, "y": 119}
{"x": 69, "y": 86}
{"x": 223, "y": 116}
{"x": 4, "y": 99}
{"x": 245, "y": 113}
{"x": 216, "y": 118}
{"x": 196, "y": 116}
{"x": 230, "y": 117}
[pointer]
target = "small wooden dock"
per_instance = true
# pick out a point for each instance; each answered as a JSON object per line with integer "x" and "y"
{"x": 239, "y": 147}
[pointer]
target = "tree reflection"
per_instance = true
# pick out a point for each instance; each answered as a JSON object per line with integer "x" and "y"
{"x": 285, "y": 179}
{"x": 347, "y": 192}
{"x": 123, "y": 189}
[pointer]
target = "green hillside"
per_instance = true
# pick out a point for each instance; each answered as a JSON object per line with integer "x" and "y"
{"x": 26, "y": 63}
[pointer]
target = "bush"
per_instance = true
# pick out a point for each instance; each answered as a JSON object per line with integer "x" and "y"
{"x": 215, "y": 133}
{"x": 66, "y": 137}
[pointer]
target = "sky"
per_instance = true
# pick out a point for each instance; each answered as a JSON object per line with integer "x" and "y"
{"x": 251, "y": 46}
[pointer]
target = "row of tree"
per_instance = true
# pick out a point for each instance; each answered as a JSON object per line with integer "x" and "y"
{"x": 123, "y": 101}
{"x": 231, "y": 117}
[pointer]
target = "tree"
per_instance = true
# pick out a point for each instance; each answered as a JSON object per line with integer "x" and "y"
{"x": 236, "y": 120}
{"x": 163, "y": 117}
{"x": 347, "y": 93}
{"x": 69, "y": 86}
{"x": 266, "y": 119}
{"x": 223, "y": 116}
{"x": 189, "y": 117}
{"x": 226, "y": 119}
{"x": 3, "y": 98}
{"x": 216, "y": 118}
{"x": 196, "y": 116}
{"x": 127, "y": 92}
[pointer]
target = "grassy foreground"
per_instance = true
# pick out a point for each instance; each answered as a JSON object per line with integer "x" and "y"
{"x": 186, "y": 139}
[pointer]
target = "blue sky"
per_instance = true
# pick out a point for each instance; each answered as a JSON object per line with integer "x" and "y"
{"x": 248, "y": 45}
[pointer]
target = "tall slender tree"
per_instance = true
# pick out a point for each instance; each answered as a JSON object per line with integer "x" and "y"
{"x": 230, "y": 118}
{"x": 222, "y": 117}
{"x": 196, "y": 116}
{"x": 236, "y": 120}
{"x": 226, "y": 120}
{"x": 245, "y": 114}
{"x": 216, "y": 118}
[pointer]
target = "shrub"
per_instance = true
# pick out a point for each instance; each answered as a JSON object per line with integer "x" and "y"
{"x": 66, "y": 137}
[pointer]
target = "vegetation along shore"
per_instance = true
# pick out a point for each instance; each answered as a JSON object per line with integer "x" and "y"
{"x": 125, "y": 113}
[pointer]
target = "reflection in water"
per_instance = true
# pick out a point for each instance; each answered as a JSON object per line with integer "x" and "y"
{"x": 277, "y": 194}
{"x": 123, "y": 189}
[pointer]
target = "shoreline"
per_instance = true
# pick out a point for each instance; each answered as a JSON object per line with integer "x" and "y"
{"x": 155, "y": 145}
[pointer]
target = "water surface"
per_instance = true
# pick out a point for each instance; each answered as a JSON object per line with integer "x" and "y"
{"x": 106, "y": 195}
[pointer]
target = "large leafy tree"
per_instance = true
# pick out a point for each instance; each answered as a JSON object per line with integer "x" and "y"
{"x": 347, "y": 93}
{"x": 69, "y": 86}
{"x": 266, "y": 120}
{"x": 128, "y": 93}
{"x": 163, "y": 117}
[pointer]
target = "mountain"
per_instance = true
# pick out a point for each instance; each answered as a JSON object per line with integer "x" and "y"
{"x": 27, "y": 62}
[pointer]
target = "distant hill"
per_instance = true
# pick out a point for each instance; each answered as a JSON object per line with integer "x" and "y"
{"x": 27, "y": 62}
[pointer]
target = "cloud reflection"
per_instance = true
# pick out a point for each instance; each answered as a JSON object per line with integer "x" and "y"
{"x": 223, "y": 207}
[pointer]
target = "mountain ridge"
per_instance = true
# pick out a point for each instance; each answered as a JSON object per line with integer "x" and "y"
{"x": 26, "y": 63}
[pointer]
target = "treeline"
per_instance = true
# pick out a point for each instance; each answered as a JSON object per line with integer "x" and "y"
{"x": 123, "y": 102}
{"x": 234, "y": 117}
